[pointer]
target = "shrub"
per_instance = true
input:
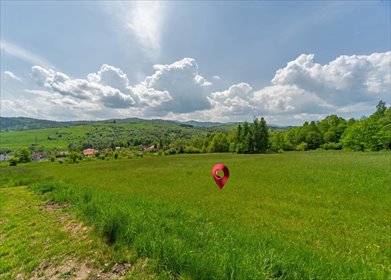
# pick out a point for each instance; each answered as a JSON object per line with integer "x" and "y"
{"x": 332, "y": 146}
{"x": 302, "y": 146}
{"x": 13, "y": 161}
{"x": 192, "y": 150}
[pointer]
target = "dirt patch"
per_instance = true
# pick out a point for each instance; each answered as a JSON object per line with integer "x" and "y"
{"x": 51, "y": 206}
{"x": 72, "y": 269}
{"x": 71, "y": 225}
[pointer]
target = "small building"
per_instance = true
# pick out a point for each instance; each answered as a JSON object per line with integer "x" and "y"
{"x": 38, "y": 156}
{"x": 149, "y": 149}
{"x": 89, "y": 152}
{"x": 4, "y": 157}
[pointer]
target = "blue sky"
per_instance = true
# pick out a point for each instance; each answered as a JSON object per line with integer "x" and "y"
{"x": 222, "y": 61}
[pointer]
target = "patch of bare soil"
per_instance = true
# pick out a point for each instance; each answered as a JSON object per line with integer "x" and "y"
{"x": 72, "y": 268}
{"x": 51, "y": 206}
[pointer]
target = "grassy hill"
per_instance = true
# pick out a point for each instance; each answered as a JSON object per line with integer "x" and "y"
{"x": 22, "y": 123}
{"x": 297, "y": 215}
{"x": 25, "y": 132}
{"x": 102, "y": 135}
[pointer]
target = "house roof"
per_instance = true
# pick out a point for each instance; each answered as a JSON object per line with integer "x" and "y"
{"x": 89, "y": 152}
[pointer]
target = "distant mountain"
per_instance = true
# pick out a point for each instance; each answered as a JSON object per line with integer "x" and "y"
{"x": 22, "y": 123}
{"x": 203, "y": 124}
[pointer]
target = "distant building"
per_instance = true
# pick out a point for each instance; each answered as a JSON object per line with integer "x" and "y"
{"x": 89, "y": 152}
{"x": 149, "y": 149}
{"x": 38, "y": 156}
{"x": 4, "y": 157}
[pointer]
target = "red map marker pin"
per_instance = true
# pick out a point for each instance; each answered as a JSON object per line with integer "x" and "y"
{"x": 220, "y": 181}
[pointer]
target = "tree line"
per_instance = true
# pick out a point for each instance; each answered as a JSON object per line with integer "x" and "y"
{"x": 371, "y": 133}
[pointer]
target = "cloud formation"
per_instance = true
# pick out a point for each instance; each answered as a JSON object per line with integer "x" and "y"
{"x": 181, "y": 80}
{"x": 357, "y": 78}
{"x": 11, "y": 75}
{"x": 23, "y": 54}
{"x": 302, "y": 90}
{"x": 306, "y": 87}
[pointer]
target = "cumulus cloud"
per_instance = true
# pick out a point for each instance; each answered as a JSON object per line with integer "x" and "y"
{"x": 188, "y": 90}
{"x": 302, "y": 89}
{"x": 176, "y": 87}
{"x": 346, "y": 79}
{"x": 307, "y": 89}
{"x": 233, "y": 101}
{"x": 11, "y": 75}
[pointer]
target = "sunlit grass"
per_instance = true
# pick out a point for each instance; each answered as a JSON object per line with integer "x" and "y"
{"x": 298, "y": 215}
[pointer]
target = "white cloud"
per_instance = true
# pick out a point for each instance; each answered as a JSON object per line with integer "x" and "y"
{"x": 109, "y": 86}
{"x": 23, "y": 54}
{"x": 288, "y": 99}
{"x": 11, "y": 75}
{"x": 345, "y": 80}
{"x": 303, "y": 90}
{"x": 181, "y": 80}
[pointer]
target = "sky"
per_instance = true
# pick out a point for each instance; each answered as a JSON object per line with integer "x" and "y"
{"x": 288, "y": 61}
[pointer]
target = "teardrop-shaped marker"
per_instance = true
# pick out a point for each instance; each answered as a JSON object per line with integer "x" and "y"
{"x": 220, "y": 180}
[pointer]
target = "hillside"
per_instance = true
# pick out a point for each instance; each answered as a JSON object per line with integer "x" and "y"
{"x": 101, "y": 134}
{"x": 22, "y": 123}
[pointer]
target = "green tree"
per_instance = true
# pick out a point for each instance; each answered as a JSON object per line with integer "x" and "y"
{"x": 263, "y": 141}
{"x": 276, "y": 140}
{"x": 354, "y": 137}
{"x": 74, "y": 157}
{"x": 313, "y": 139}
{"x": 24, "y": 155}
{"x": 219, "y": 143}
{"x": 381, "y": 108}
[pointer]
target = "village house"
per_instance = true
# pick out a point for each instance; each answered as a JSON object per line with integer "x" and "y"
{"x": 4, "y": 157}
{"x": 38, "y": 156}
{"x": 89, "y": 152}
{"x": 149, "y": 149}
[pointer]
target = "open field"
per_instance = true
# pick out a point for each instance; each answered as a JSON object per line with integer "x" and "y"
{"x": 61, "y": 137}
{"x": 303, "y": 215}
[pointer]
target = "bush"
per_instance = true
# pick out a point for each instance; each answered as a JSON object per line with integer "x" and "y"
{"x": 332, "y": 146}
{"x": 302, "y": 146}
{"x": 191, "y": 150}
{"x": 13, "y": 161}
{"x": 170, "y": 151}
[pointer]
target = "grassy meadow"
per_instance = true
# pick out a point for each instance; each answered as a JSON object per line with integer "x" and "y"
{"x": 297, "y": 215}
{"x": 62, "y": 137}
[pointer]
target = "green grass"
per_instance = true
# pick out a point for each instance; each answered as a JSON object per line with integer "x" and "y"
{"x": 304, "y": 215}
{"x": 34, "y": 240}
{"x": 99, "y": 134}
{"x": 19, "y": 139}
{"x": 30, "y": 235}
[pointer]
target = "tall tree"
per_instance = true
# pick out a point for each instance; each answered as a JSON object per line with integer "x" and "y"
{"x": 264, "y": 136}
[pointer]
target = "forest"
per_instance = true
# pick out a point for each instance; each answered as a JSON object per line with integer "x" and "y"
{"x": 371, "y": 133}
